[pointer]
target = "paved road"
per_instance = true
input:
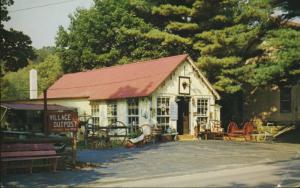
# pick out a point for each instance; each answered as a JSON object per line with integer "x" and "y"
{"x": 204, "y": 163}
{"x": 251, "y": 176}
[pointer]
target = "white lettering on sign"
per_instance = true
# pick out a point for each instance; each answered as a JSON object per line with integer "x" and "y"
{"x": 62, "y": 121}
{"x": 62, "y": 124}
{"x": 60, "y": 117}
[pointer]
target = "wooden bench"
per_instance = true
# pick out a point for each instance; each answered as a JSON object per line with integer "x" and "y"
{"x": 234, "y": 131}
{"x": 24, "y": 155}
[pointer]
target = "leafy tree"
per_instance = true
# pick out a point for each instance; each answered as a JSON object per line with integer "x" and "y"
{"x": 226, "y": 37}
{"x": 96, "y": 37}
{"x": 43, "y": 53}
{"x": 99, "y": 37}
{"x": 4, "y": 11}
{"x": 16, "y": 47}
{"x": 15, "y": 85}
{"x": 234, "y": 42}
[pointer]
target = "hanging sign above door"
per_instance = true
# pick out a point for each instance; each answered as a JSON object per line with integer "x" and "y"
{"x": 184, "y": 85}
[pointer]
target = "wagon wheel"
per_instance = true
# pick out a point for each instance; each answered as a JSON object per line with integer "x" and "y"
{"x": 117, "y": 132}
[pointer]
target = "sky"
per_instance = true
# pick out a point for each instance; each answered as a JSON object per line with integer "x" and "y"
{"x": 39, "y": 19}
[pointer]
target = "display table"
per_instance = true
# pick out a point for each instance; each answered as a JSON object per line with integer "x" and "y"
{"x": 212, "y": 135}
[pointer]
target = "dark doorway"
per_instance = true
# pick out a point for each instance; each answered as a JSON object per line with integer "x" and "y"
{"x": 183, "y": 115}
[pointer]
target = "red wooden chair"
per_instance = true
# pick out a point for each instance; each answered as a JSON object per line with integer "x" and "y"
{"x": 249, "y": 129}
{"x": 234, "y": 131}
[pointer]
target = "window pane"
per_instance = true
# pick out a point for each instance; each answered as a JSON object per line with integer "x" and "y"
{"x": 112, "y": 112}
{"x": 202, "y": 111}
{"x": 95, "y": 113}
{"x": 163, "y": 106}
{"x": 285, "y": 99}
{"x": 133, "y": 111}
{"x": 202, "y": 107}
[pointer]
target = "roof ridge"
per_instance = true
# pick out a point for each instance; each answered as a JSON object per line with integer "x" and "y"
{"x": 122, "y": 65}
{"x": 106, "y": 83}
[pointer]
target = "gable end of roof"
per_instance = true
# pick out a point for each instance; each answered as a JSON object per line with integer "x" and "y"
{"x": 204, "y": 79}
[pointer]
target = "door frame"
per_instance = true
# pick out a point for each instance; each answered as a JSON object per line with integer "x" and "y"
{"x": 188, "y": 109}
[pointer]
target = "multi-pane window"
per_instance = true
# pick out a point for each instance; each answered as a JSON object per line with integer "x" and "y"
{"x": 112, "y": 112}
{"x": 285, "y": 100}
{"x": 133, "y": 111}
{"x": 202, "y": 111}
{"x": 163, "y": 113}
{"x": 95, "y": 113}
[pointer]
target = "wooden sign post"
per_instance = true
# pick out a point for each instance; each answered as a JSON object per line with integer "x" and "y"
{"x": 74, "y": 148}
{"x": 66, "y": 121}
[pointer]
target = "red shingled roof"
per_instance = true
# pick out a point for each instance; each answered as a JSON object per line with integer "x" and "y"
{"x": 121, "y": 81}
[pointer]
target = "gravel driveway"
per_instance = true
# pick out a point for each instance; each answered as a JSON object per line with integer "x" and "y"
{"x": 165, "y": 159}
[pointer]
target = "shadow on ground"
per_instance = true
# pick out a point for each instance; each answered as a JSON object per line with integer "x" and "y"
{"x": 290, "y": 174}
{"x": 171, "y": 159}
{"x": 74, "y": 177}
{"x": 291, "y": 136}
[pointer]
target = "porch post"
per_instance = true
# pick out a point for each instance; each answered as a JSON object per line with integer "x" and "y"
{"x": 45, "y": 113}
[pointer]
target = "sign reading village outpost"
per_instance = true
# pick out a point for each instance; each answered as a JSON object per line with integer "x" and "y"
{"x": 62, "y": 121}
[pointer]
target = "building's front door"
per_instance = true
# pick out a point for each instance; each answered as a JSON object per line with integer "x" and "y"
{"x": 183, "y": 115}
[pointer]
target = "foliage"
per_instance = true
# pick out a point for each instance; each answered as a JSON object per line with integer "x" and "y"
{"x": 225, "y": 50}
{"x": 220, "y": 34}
{"x": 16, "y": 47}
{"x": 99, "y": 37}
{"x": 15, "y": 85}
{"x": 43, "y": 53}
{"x": 230, "y": 39}
{"x": 225, "y": 36}
{"x": 280, "y": 62}
{"x": 112, "y": 32}
{"x": 4, "y": 11}
{"x": 135, "y": 133}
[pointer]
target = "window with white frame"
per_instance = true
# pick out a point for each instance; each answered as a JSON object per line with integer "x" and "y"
{"x": 163, "y": 113}
{"x": 95, "y": 113}
{"x": 112, "y": 112}
{"x": 202, "y": 110}
{"x": 133, "y": 111}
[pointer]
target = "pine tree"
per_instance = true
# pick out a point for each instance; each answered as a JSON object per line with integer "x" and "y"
{"x": 225, "y": 37}
{"x": 220, "y": 34}
{"x": 280, "y": 62}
